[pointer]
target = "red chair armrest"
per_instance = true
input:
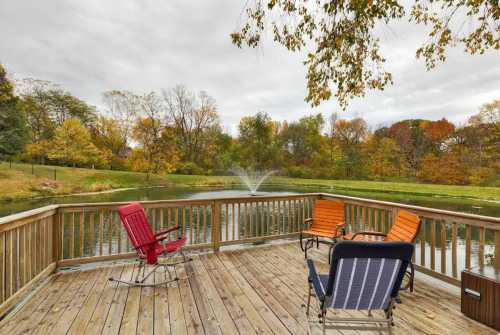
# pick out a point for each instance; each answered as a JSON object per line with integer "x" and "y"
{"x": 167, "y": 230}
{"x": 145, "y": 244}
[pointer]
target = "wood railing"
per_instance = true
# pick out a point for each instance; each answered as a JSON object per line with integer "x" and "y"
{"x": 448, "y": 242}
{"x": 34, "y": 243}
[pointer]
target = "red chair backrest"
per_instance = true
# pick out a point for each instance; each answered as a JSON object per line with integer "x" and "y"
{"x": 138, "y": 229}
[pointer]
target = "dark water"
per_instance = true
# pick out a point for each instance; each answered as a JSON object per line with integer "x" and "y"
{"x": 163, "y": 193}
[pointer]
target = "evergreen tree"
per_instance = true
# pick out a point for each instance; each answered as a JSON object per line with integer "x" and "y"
{"x": 12, "y": 121}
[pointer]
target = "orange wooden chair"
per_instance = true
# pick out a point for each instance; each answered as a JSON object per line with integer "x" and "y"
{"x": 405, "y": 229}
{"x": 327, "y": 222}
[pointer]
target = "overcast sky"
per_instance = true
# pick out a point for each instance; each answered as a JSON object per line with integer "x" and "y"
{"x": 92, "y": 46}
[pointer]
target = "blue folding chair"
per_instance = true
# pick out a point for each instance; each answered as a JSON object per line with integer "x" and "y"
{"x": 364, "y": 276}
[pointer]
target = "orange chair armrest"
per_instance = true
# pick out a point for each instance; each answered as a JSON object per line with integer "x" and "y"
{"x": 373, "y": 233}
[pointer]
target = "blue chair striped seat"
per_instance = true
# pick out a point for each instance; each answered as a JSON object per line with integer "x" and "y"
{"x": 364, "y": 276}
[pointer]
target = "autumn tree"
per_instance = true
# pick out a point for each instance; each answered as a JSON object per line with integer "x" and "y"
{"x": 446, "y": 169}
{"x": 349, "y": 136}
{"x": 108, "y": 137}
{"x": 47, "y": 106}
{"x": 410, "y": 137}
{"x": 303, "y": 138}
{"x": 12, "y": 119}
{"x": 385, "y": 160}
{"x": 193, "y": 118}
{"x": 72, "y": 145}
{"x": 257, "y": 142}
{"x": 437, "y": 133}
{"x": 342, "y": 47}
{"x": 123, "y": 107}
{"x": 156, "y": 152}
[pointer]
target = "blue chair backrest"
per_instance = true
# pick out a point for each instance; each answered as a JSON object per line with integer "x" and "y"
{"x": 366, "y": 275}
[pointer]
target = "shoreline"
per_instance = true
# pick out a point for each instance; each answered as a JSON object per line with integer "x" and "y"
{"x": 232, "y": 185}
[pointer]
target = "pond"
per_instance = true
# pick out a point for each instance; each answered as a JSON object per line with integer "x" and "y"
{"x": 163, "y": 193}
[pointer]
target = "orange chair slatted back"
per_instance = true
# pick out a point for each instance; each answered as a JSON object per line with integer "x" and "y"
{"x": 327, "y": 215}
{"x": 405, "y": 228}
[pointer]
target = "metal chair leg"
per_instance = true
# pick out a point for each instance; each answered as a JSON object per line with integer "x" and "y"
{"x": 412, "y": 276}
{"x": 308, "y": 298}
{"x": 300, "y": 241}
{"x": 141, "y": 267}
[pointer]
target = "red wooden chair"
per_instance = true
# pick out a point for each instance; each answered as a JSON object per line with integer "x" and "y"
{"x": 147, "y": 244}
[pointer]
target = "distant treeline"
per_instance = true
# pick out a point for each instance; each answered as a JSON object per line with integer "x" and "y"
{"x": 179, "y": 131}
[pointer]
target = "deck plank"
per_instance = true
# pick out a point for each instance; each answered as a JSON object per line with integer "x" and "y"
{"x": 131, "y": 311}
{"x": 145, "y": 321}
{"x": 212, "y": 296}
{"x": 256, "y": 319}
{"x": 237, "y": 314}
{"x": 247, "y": 291}
{"x": 191, "y": 315}
{"x": 96, "y": 322}
{"x": 25, "y": 316}
{"x": 117, "y": 308}
{"x": 84, "y": 305}
{"x": 176, "y": 310}
{"x": 55, "y": 313}
{"x": 161, "y": 317}
{"x": 207, "y": 314}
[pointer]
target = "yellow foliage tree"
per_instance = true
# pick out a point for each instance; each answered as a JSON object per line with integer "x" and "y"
{"x": 72, "y": 145}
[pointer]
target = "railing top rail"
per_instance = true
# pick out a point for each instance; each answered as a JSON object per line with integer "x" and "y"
{"x": 26, "y": 215}
{"x": 418, "y": 209}
{"x": 248, "y": 198}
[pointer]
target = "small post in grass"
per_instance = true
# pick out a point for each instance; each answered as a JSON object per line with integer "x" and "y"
{"x": 55, "y": 174}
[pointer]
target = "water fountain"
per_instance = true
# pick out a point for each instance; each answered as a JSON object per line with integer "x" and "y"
{"x": 252, "y": 178}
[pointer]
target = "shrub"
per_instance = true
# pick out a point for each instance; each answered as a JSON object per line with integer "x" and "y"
{"x": 189, "y": 168}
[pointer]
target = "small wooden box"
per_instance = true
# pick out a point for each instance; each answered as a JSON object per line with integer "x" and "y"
{"x": 481, "y": 295}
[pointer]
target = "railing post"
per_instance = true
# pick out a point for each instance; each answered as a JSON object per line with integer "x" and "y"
{"x": 216, "y": 225}
{"x": 56, "y": 236}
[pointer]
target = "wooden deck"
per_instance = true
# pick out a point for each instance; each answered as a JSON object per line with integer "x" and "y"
{"x": 255, "y": 290}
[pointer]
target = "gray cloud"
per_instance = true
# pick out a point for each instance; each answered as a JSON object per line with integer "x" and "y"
{"x": 93, "y": 46}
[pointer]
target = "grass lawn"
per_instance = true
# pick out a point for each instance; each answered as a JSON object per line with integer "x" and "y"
{"x": 18, "y": 182}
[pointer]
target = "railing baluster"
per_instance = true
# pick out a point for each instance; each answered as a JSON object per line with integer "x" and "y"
{"x": 205, "y": 224}
{"x": 227, "y": 221}
{"x": 233, "y": 224}
{"x": 468, "y": 247}
{"x": 422, "y": 242}
{"x": 8, "y": 263}
{"x": 198, "y": 219}
{"x": 91, "y": 234}
{"x": 72, "y": 237}
{"x": 28, "y": 249}
{"x": 15, "y": 260}
{"x": 480, "y": 253}
{"x": 119, "y": 230}
{"x": 22, "y": 255}
{"x": 443, "y": 246}
{"x": 110, "y": 232}
{"x": 2, "y": 267}
{"x": 184, "y": 223}
{"x": 433, "y": 244}
{"x": 496, "y": 255}
{"x": 101, "y": 231}
{"x": 82, "y": 233}
{"x": 454, "y": 249}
